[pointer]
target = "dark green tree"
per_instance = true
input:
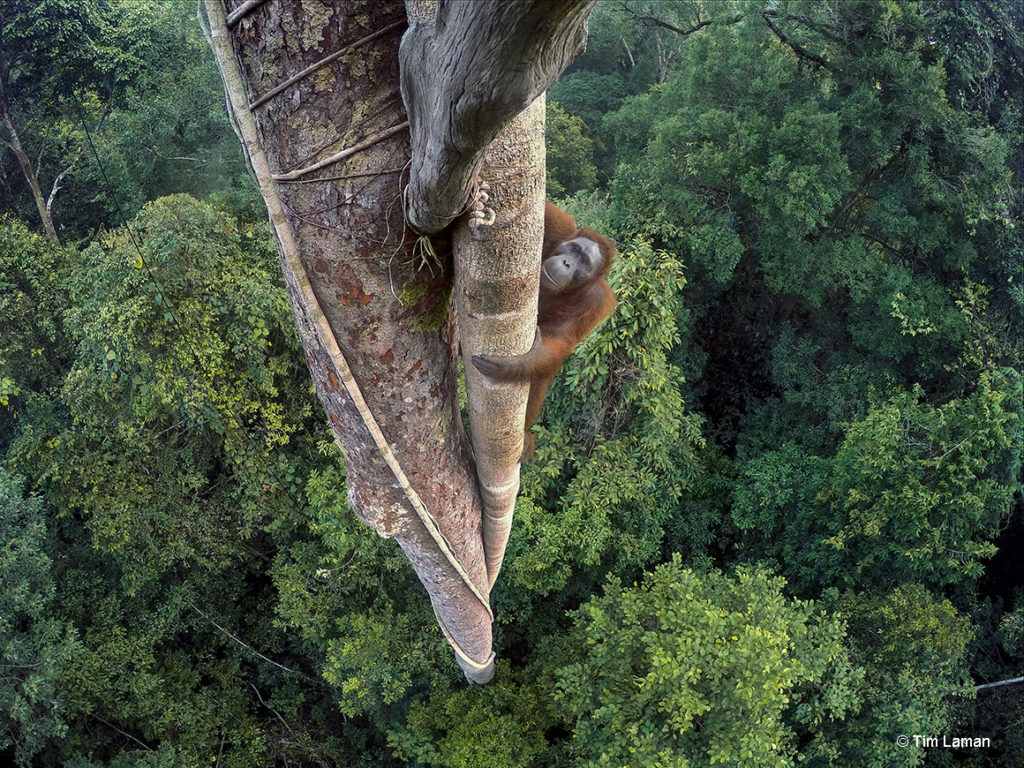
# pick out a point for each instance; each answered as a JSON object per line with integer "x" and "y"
{"x": 34, "y": 350}
{"x": 135, "y": 81}
{"x": 570, "y": 165}
{"x": 176, "y": 450}
{"x": 35, "y": 644}
{"x": 813, "y": 371}
{"x": 48, "y": 67}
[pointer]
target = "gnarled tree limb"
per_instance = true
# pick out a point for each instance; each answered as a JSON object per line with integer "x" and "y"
{"x": 464, "y": 75}
{"x": 798, "y": 49}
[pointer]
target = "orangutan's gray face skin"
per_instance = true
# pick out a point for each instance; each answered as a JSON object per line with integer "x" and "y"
{"x": 571, "y": 264}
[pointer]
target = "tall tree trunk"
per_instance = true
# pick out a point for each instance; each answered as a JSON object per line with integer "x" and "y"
{"x": 13, "y": 141}
{"x": 360, "y": 304}
{"x": 497, "y": 279}
{"x": 469, "y": 70}
{"x": 313, "y": 90}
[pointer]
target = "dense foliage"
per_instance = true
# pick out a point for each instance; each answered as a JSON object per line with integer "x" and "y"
{"x": 775, "y": 512}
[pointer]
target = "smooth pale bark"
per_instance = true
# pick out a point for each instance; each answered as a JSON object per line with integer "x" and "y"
{"x": 497, "y": 277}
{"x": 347, "y": 262}
{"x": 13, "y": 142}
{"x": 465, "y": 75}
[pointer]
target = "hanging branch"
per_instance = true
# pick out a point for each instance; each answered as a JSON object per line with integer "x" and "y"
{"x": 322, "y": 63}
{"x": 338, "y": 156}
{"x": 654, "y": 21}
{"x": 1000, "y": 684}
{"x": 798, "y": 49}
{"x": 243, "y": 644}
{"x": 811, "y": 24}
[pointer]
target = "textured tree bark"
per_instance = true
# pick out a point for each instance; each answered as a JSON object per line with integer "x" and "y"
{"x": 347, "y": 261}
{"x": 497, "y": 277}
{"x": 464, "y": 76}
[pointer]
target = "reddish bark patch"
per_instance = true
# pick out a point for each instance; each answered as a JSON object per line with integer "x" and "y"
{"x": 353, "y": 297}
{"x": 350, "y": 288}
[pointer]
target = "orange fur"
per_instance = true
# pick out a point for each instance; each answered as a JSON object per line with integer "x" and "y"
{"x": 564, "y": 318}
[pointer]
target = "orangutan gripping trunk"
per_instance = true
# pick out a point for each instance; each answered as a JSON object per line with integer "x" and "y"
{"x": 574, "y": 299}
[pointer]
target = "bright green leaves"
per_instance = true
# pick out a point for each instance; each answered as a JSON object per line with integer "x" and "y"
{"x": 502, "y": 725}
{"x": 182, "y": 379}
{"x": 201, "y": 324}
{"x": 923, "y": 490}
{"x": 376, "y": 657}
{"x": 734, "y": 146}
{"x": 33, "y": 347}
{"x": 689, "y": 670}
{"x": 343, "y": 590}
{"x": 910, "y": 647}
{"x": 847, "y": 327}
{"x": 172, "y": 439}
